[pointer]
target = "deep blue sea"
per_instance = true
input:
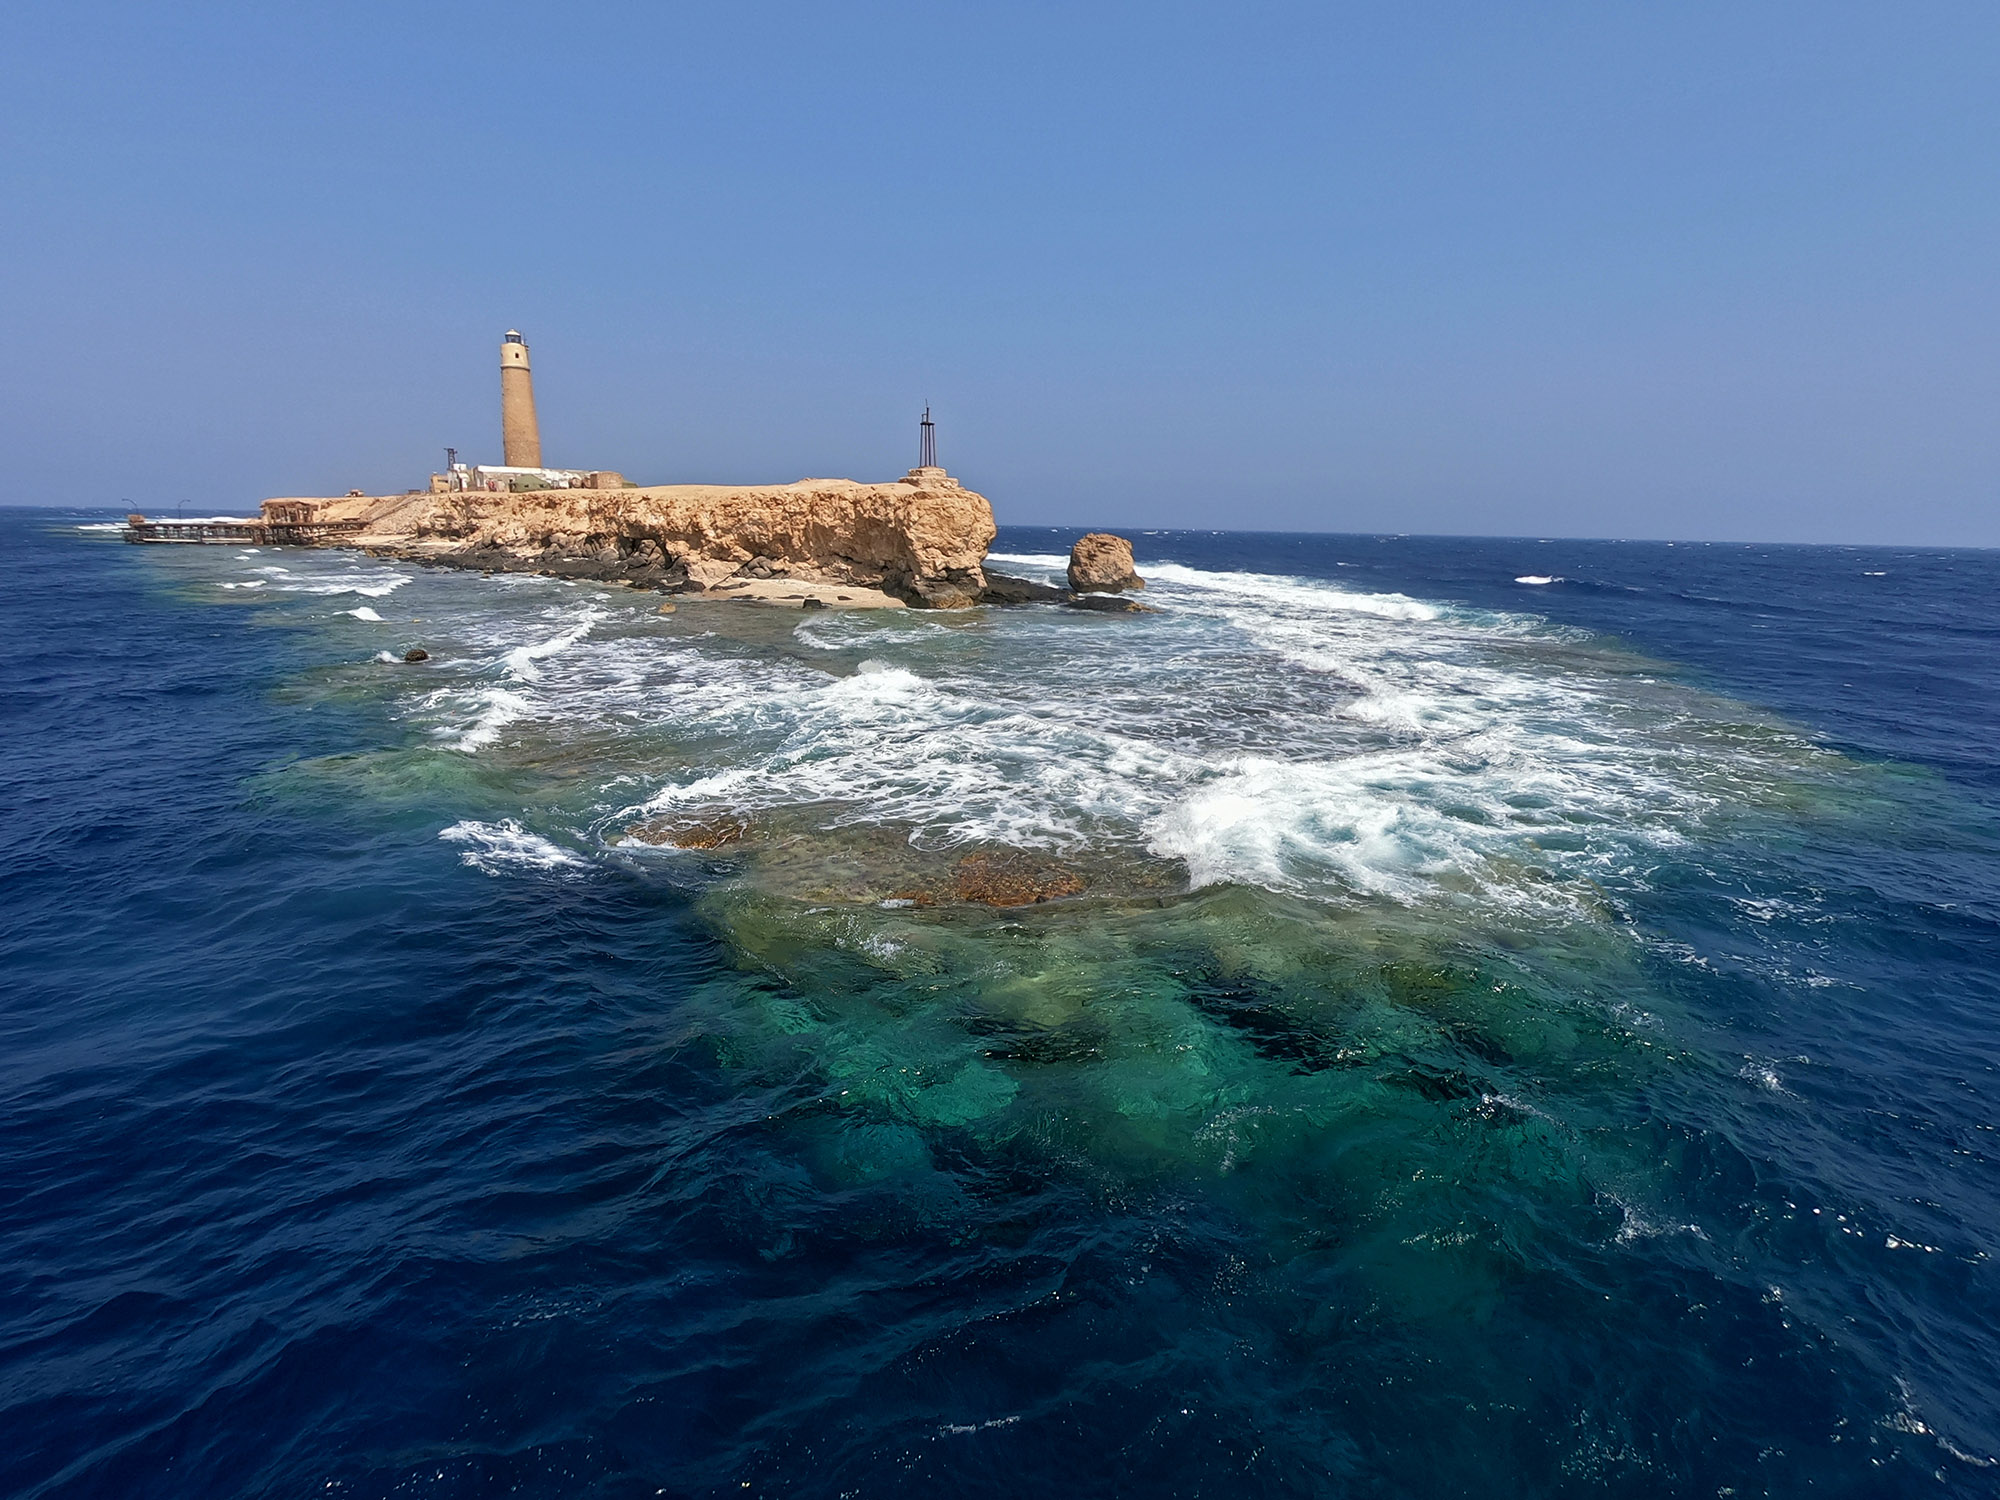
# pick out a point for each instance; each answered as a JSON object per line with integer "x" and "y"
{"x": 1527, "y": 1027}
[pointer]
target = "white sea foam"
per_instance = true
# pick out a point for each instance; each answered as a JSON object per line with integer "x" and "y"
{"x": 520, "y": 662}
{"x": 1276, "y": 824}
{"x": 1764, "y": 1076}
{"x": 376, "y": 587}
{"x": 888, "y": 745}
{"x": 1267, "y": 730}
{"x": 363, "y": 612}
{"x": 498, "y": 848}
{"x": 959, "y": 1429}
{"x": 494, "y": 709}
{"x": 1292, "y": 594}
{"x": 1635, "y": 1225}
{"x": 1418, "y": 770}
{"x": 369, "y": 583}
{"x": 470, "y": 718}
{"x": 1537, "y": 579}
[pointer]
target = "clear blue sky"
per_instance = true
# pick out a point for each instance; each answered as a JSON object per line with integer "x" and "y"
{"x": 1719, "y": 270}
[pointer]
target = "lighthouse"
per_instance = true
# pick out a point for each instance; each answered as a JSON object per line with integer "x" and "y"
{"x": 520, "y": 437}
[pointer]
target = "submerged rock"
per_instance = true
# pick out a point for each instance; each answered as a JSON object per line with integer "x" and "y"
{"x": 416, "y": 653}
{"x": 1012, "y": 878}
{"x": 682, "y": 832}
{"x": 1109, "y": 604}
{"x": 1005, "y": 877}
{"x": 1101, "y": 563}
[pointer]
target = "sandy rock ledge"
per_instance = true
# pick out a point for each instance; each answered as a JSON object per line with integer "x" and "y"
{"x": 836, "y": 542}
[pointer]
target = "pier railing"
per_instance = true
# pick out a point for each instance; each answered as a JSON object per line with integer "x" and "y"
{"x": 228, "y": 529}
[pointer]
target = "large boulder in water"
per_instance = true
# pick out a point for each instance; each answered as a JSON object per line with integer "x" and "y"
{"x": 1102, "y": 564}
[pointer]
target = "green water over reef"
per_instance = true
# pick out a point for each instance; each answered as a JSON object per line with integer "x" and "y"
{"x": 1407, "y": 1035}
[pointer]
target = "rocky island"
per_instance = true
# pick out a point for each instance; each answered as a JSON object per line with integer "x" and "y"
{"x": 919, "y": 541}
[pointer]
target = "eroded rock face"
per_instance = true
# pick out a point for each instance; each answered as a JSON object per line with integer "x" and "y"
{"x": 1102, "y": 564}
{"x": 922, "y": 542}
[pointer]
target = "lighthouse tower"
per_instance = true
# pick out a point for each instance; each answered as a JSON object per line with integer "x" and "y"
{"x": 521, "y": 438}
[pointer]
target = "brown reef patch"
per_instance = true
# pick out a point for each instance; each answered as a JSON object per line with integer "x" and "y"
{"x": 1012, "y": 878}
{"x": 718, "y": 832}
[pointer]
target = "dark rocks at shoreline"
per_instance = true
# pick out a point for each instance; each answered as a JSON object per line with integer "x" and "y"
{"x": 641, "y": 563}
{"x": 1001, "y": 589}
{"x": 1109, "y": 604}
{"x": 950, "y": 592}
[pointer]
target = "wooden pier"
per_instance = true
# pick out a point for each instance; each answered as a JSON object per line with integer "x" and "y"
{"x": 261, "y": 531}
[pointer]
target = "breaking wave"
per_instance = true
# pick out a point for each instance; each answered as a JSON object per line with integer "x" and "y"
{"x": 498, "y": 848}
{"x": 1263, "y": 730}
{"x": 369, "y": 583}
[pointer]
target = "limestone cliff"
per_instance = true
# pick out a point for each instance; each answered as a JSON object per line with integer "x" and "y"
{"x": 922, "y": 539}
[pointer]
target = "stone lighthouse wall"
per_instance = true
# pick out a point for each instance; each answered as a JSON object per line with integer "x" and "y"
{"x": 520, "y": 435}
